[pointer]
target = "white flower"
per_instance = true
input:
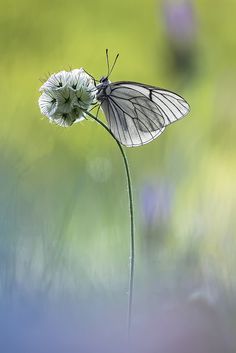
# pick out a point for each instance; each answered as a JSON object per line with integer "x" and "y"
{"x": 66, "y": 96}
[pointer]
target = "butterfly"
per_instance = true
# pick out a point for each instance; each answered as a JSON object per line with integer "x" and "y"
{"x": 137, "y": 113}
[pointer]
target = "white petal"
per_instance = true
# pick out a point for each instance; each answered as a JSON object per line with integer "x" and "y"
{"x": 65, "y": 99}
{"x": 75, "y": 81}
{"x": 55, "y": 81}
{"x": 67, "y": 119}
{"x": 47, "y": 104}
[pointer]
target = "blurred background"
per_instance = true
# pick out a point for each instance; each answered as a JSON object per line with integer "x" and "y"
{"x": 64, "y": 223}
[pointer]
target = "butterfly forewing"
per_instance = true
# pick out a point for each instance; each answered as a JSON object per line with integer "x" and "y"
{"x": 138, "y": 113}
{"x": 172, "y": 106}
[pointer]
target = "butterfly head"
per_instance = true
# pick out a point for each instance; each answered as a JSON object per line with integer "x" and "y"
{"x": 104, "y": 81}
{"x": 101, "y": 88}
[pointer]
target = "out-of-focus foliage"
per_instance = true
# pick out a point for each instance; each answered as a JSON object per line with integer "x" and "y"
{"x": 64, "y": 225}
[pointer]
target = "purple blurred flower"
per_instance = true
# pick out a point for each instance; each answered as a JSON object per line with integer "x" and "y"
{"x": 180, "y": 21}
{"x": 156, "y": 203}
{"x": 181, "y": 33}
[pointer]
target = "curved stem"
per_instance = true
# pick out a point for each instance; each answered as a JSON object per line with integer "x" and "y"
{"x": 131, "y": 211}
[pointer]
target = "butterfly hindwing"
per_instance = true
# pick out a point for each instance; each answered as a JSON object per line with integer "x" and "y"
{"x": 128, "y": 129}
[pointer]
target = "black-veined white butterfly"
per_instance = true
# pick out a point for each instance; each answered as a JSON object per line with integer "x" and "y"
{"x": 138, "y": 113}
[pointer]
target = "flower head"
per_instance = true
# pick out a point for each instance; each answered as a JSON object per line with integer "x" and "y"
{"x": 66, "y": 96}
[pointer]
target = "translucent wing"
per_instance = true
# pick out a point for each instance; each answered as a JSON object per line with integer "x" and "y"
{"x": 138, "y": 113}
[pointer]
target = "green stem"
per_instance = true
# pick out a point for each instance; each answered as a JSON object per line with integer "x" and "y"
{"x": 131, "y": 211}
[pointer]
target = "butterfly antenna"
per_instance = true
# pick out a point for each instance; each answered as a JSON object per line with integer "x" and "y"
{"x": 109, "y": 70}
{"x": 108, "y": 64}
